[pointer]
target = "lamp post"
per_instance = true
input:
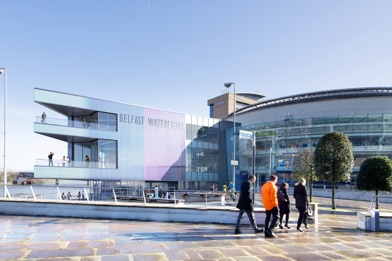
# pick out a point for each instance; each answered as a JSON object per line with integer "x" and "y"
{"x": 2, "y": 71}
{"x": 270, "y": 162}
{"x": 233, "y": 162}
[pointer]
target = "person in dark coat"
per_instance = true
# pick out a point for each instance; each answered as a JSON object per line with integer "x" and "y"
{"x": 245, "y": 205}
{"x": 301, "y": 202}
{"x": 284, "y": 204}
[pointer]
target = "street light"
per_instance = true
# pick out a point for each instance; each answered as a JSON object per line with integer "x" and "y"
{"x": 270, "y": 162}
{"x": 233, "y": 162}
{"x": 2, "y": 71}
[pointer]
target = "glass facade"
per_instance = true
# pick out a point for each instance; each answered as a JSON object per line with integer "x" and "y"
{"x": 202, "y": 152}
{"x": 101, "y": 153}
{"x": 277, "y": 143}
{"x": 131, "y": 144}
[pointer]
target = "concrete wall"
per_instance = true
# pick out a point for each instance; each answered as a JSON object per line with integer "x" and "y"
{"x": 364, "y": 221}
{"x": 127, "y": 211}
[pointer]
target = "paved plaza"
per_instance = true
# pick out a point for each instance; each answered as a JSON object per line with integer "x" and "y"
{"x": 335, "y": 238}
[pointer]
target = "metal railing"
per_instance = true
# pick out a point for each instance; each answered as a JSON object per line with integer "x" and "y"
{"x": 48, "y": 192}
{"x": 75, "y": 164}
{"x": 198, "y": 198}
{"x": 76, "y": 124}
{"x": 374, "y": 199}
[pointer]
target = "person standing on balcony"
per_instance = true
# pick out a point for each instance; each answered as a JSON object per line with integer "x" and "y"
{"x": 43, "y": 117}
{"x": 87, "y": 160}
{"x": 50, "y": 157}
{"x": 64, "y": 161}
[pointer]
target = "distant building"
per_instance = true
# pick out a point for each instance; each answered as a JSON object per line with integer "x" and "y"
{"x": 286, "y": 125}
{"x": 223, "y": 105}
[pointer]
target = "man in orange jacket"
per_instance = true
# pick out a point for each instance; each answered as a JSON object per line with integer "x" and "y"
{"x": 270, "y": 201}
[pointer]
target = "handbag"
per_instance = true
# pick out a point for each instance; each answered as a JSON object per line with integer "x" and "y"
{"x": 309, "y": 213}
{"x": 281, "y": 196}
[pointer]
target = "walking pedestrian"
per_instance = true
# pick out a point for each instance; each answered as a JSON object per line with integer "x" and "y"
{"x": 270, "y": 201}
{"x": 233, "y": 194}
{"x": 301, "y": 202}
{"x": 69, "y": 196}
{"x": 284, "y": 204}
{"x": 245, "y": 205}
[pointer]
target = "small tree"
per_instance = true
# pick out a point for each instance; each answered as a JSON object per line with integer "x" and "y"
{"x": 334, "y": 159}
{"x": 304, "y": 168}
{"x": 375, "y": 174}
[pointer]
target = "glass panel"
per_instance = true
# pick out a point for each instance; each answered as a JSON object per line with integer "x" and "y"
{"x": 107, "y": 121}
{"x": 107, "y": 154}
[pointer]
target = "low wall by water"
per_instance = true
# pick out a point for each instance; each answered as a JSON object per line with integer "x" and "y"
{"x": 127, "y": 211}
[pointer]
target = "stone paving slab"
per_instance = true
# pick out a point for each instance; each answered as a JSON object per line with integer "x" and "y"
{"x": 334, "y": 238}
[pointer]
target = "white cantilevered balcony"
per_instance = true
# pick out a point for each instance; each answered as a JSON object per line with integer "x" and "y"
{"x": 75, "y": 164}
{"x": 79, "y": 123}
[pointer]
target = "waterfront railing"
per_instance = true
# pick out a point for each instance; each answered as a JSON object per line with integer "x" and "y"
{"x": 89, "y": 193}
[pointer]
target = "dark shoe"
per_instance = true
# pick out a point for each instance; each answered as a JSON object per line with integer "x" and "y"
{"x": 280, "y": 226}
{"x": 299, "y": 230}
{"x": 272, "y": 235}
{"x": 259, "y": 230}
{"x": 306, "y": 226}
{"x": 286, "y": 226}
{"x": 237, "y": 231}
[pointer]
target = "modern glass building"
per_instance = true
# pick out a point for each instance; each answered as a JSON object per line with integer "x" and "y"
{"x": 131, "y": 146}
{"x": 140, "y": 147}
{"x": 284, "y": 126}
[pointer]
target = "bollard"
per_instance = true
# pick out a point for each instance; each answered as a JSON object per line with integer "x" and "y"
{"x": 314, "y": 207}
{"x": 375, "y": 220}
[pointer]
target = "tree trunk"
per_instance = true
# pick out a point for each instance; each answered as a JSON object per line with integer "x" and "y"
{"x": 311, "y": 190}
{"x": 376, "y": 199}
{"x": 333, "y": 195}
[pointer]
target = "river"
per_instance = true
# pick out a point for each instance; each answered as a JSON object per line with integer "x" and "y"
{"x": 46, "y": 191}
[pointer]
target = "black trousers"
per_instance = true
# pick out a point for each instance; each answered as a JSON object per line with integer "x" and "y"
{"x": 302, "y": 217}
{"x": 270, "y": 224}
{"x": 281, "y": 218}
{"x": 251, "y": 217}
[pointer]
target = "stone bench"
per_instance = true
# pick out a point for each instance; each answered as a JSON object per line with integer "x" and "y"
{"x": 368, "y": 221}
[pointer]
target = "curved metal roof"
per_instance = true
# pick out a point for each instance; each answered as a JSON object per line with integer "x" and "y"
{"x": 251, "y": 95}
{"x": 319, "y": 96}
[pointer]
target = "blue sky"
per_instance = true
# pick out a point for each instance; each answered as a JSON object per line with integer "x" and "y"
{"x": 177, "y": 54}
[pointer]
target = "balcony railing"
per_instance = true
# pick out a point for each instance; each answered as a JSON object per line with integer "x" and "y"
{"x": 76, "y": 124}
{"x": 75, "y": 164}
